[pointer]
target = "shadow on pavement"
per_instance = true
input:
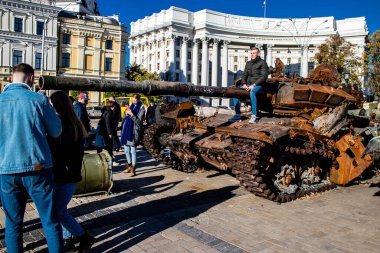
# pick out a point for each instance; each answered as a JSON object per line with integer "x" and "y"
{"x": 131, "y": 188}
{"x": 137, "y": 223}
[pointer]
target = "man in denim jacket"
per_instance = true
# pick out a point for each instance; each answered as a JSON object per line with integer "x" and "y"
{"x": 25, "y": 161}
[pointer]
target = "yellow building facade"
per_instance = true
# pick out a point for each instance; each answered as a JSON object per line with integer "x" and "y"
{"x": 91, "y": 47}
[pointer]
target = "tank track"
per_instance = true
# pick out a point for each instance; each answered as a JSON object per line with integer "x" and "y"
{"x": 151, "y": 141}
{"x": 184, "y": 165}
{"x": 251, "y": 163}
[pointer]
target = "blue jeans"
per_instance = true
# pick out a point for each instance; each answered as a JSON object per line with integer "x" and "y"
{"x": 62, "y": 196}
{"x": 252, "y": 94}
{"x": 14, "y": 193}
{"x": 130, "y": 153}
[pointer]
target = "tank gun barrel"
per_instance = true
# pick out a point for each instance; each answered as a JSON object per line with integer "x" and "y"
{"x": 149, "y": 88}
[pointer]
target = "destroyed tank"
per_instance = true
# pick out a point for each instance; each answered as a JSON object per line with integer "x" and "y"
{"x": 304, "y": 142}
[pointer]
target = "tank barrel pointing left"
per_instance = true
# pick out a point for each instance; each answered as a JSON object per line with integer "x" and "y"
{"x": 149, "y": 88}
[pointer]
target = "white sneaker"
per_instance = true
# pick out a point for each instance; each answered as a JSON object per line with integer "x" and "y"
{"x": 253, "y": 119}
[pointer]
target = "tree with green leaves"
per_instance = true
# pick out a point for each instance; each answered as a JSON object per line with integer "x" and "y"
{"x": 372, "y": 62}
{"x": 341, "y": 54}
{"x": 135, "y": 73}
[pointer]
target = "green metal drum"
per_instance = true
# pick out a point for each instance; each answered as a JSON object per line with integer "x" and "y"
{"x": 96, "y": 174}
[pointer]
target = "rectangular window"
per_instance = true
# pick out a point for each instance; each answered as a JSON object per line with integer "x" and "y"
{"x": 88, "y": 62}
{"x": 167, "y": 53}
{"x": 143, "y": 48}
{"x": 299, "y": 59}
{"x": 235, "y": 67}
{"x": 188, "y": 78}
{"x": 235, "y": 58}
{"x": 65, "y": 60}
{"x": 158, "y": 66}
{"x": 289, "y": 60}
{"x": 167, "y": 64}
{"x": 177, "y": 42}
{"x": 108, "y": 64}
{"x": 40, "y": 27}
{"x": 109, "y": 44}
{"x": 189, "y": 66}
{"x": 159, "y": 44}
{"x": 189, "y": 55}
{"x": 176, "y": 77}
{"x": 37, "y": 61}
{"x": 66, "y": 39}
{"x": 177, "y": 64}
{"x": 176, "y": 53}
{"x": 150, "y": 68}
{"x": 150, "y": 57}
{"x": 18, "y": 24}
{"x": 17, "y": 57}
{"x": 158, "y": 55}
{"x": 246, "y": 59}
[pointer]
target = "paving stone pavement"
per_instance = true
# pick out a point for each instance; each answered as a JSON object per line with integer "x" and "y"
{"x": 163, "y": 210}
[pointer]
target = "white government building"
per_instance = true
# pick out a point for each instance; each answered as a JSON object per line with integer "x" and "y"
{"x": 22, "y": 25}
{"x": 211, "y": 48}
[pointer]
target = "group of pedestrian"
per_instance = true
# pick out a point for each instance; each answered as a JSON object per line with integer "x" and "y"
{"x": 41, "y": 145}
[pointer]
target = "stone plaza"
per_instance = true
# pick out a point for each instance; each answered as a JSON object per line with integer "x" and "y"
{"x": 163, "y": 210}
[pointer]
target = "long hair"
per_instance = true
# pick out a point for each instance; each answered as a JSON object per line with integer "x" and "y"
{"x": 73, "y": 128}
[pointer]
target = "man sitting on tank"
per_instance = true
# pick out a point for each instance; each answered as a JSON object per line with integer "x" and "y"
{"x": 253, "y": 80}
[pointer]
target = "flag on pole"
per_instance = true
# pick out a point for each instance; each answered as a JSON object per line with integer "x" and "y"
{"x": 264, "y": 3}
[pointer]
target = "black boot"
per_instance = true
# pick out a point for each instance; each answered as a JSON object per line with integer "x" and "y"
{"x": 69, "y": 244}
{"x": 85, "y": 242}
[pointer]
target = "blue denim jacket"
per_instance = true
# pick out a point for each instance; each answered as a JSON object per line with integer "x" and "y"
{"x": 25, "y": 119}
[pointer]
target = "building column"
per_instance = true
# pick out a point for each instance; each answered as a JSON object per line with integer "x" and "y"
{"x": 1, "y": 20}
{"x": 172, "y": 58}
{"x": 262, "y": 53}
{"x": 29, "y": 56}
{"x": 6, "y": 25}
{"x": 97, "y": 55}
{"x": 162, "y": 55}
{"x": 225, "y": 102}
{"x": 131, "y": 52}
{"x": 7, "y": 57}
{"x": 139, "y": 54}
{"x": 146, "y": 55}
{"x": 204, "y": 76}
{"x": 269, "y": 55}
{"x": 29, "y": 24}
{"x": 1, "y": 53}
{"x": 304, "y": 61}
{"x": 184, "y": 43}
{"x": 214, "y": 72}
{"x": 195, "y": 60}
{"x": 80, "y": 59}
{"x": 154, "y": 56}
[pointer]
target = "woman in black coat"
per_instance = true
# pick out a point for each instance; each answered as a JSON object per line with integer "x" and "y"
{"x": 107, "y": 127}
{"x": 67, "y": 151}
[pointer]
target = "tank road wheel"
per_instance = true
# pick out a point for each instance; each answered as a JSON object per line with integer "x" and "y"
{"x": 285, "y": 178}
{"x": 152, "y": 141}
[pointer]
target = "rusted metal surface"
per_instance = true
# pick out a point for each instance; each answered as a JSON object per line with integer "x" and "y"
{"x": 304, "y": 142}
{"x": 351, "y": 160}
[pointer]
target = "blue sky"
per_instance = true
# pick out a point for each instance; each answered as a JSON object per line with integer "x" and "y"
{"x": 131, "y": 10}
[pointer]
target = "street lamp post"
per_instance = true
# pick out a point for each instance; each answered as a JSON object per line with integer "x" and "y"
{"x": 303, "y": 42}
{"x": 43, "y": 45}
{"x": 46, "y": 20}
